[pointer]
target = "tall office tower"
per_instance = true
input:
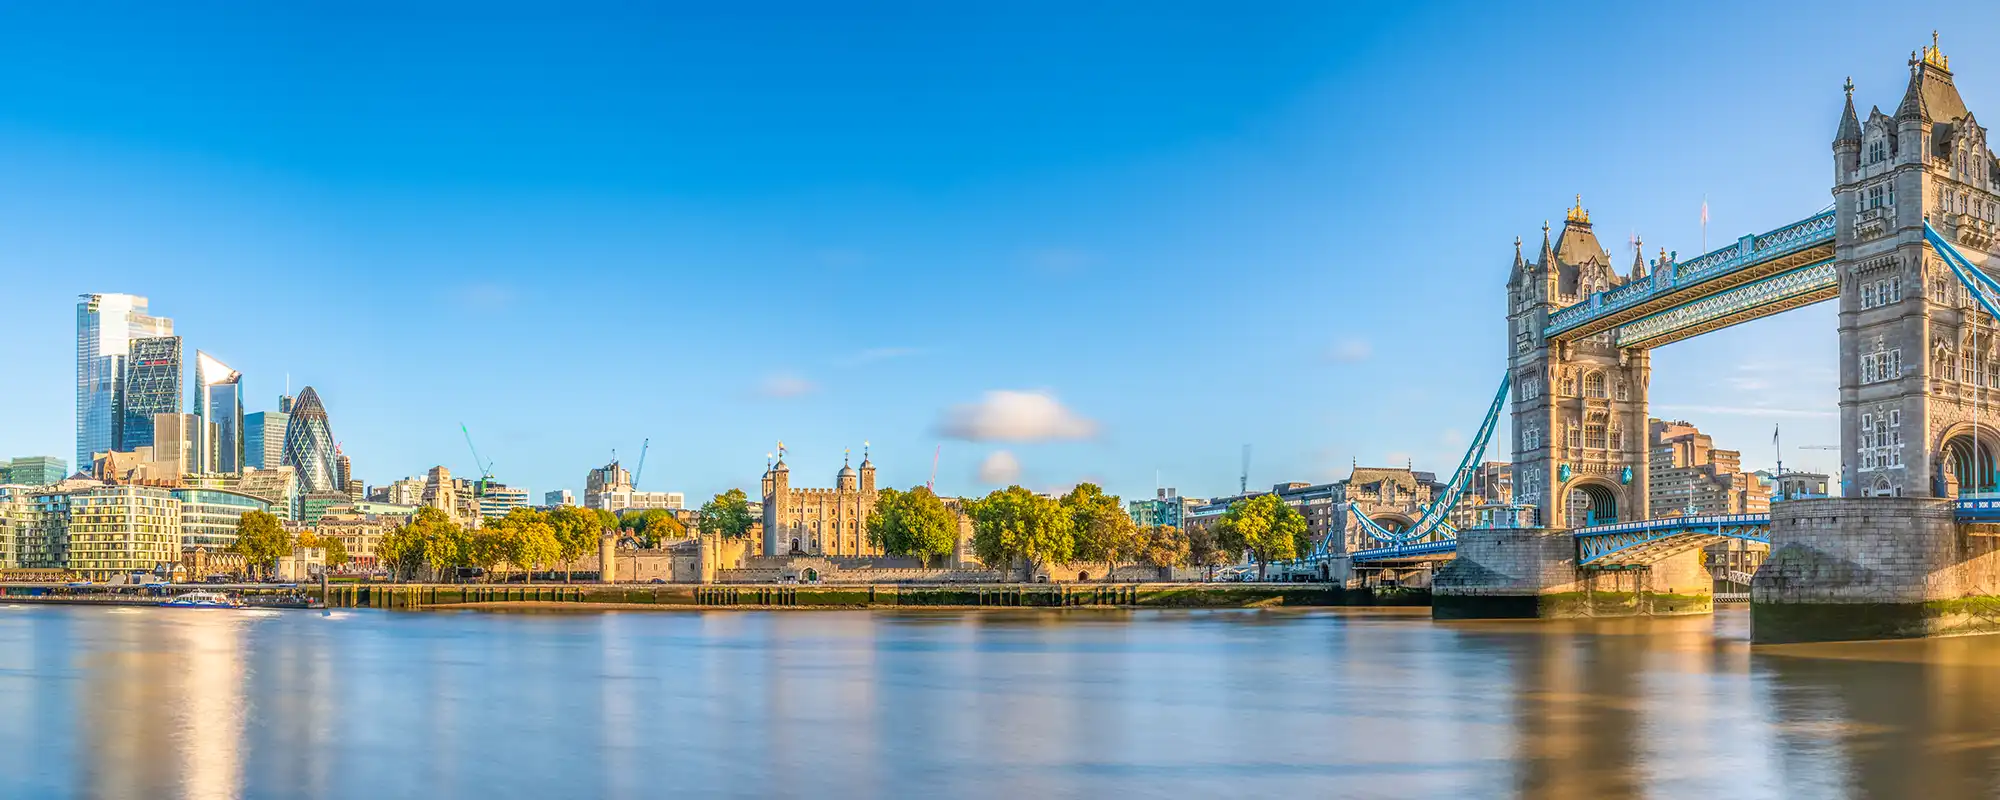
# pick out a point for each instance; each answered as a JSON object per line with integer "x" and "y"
{"x": 343, "y": 470}
{"x": 152, "y": 387}
{"x": 309, "y": 444}
{"x": 106, "y": 324}
{"x": 264, "y": 439}
{"x": 219, "y": 400}
{"x": 285, "y": 401}
{"x": 178, "y": 441}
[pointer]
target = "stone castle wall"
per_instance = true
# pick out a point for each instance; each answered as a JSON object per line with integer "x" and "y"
{"x": 1874, "y": 568}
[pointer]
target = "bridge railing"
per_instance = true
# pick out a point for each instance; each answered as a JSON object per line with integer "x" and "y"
{"x": 1748, "y": 250}
{"x": 1703, "y": 521}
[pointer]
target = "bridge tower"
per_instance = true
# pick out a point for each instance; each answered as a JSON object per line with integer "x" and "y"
{"x": 1917, "y": 364}
{"x": 1579, "y": 406}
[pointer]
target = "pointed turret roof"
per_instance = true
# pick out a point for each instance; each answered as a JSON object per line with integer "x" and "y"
{"x": 1548, "y": 257}
{"x": 1577, "y": 244}
{"x": 1638, "y": 259}
{"x": 1931, "y": 96}
{"x": 1850, "y": 125}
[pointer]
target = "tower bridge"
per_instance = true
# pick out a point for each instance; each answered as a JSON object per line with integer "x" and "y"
{"x": 1905, "y": 249}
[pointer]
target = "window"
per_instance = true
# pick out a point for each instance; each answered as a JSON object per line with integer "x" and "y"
{"x": 1593, "y": 435}
{"x": 1867, "y": 295}
{"x": 1531, "y": 438}
{"x": 1624, "y": 390}
{"x": 1885, "y": 365}
{"x": 1575, "y": 437}
{"x": 1593, "y": 385}
{"x": 1878, "y": 151}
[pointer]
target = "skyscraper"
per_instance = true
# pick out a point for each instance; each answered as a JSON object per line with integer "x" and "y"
{"x": 179, "y": 442}
{"x": 264, "y": 439}
{"x": 219, "y": 400}
{"x": 152, "y": 387}
{"x": 106, "y": 324}
{"x": 309, "y": 444}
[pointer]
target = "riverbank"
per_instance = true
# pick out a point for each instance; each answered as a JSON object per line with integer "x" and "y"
{"x": 678, "y": 596}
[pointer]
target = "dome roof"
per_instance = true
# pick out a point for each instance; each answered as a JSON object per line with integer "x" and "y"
{"x": 846, "y": 471}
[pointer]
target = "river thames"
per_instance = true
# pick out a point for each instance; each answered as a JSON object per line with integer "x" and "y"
{"x": 102, "y": 702}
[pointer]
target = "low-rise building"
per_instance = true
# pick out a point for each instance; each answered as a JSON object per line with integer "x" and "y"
{"x": 360, "y": 534}
{"x": 120, "y": 530}
{"x": 1167, "y": 507}
{"x": 1688, "y": 475}
{"x": 559, "y": 498}
{"x": 34, "y": 471}
{"x": 210, "y": 517}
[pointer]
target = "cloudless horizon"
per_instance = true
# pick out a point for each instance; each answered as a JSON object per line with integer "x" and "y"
{"x": 1113, "y": 243}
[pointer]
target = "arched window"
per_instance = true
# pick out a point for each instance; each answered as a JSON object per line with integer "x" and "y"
{"x": 1593, "y": 385}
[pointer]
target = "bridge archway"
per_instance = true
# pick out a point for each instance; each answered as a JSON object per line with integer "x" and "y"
{"x": 1965, "y": 462}
{"x": 1394, "y": 523}
{"x": 1591, "y": 502}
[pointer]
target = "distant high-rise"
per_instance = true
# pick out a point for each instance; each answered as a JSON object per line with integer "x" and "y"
{"x": 152, "y": 387}
{"x": 285, "y": 402}
{"x": 264, "y": 439}
{"x": 106, "y": 324}
{"x": 179, "y": 442}
{"x": 219, "y": 400}
{"x": 34, "y": 471}
{"x": 309, "y": 444}
{"x": 343, "y": 469}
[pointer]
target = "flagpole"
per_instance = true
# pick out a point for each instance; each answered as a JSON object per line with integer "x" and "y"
{"x": 1781, "y": 460}
{"x": 1704, "y": 223}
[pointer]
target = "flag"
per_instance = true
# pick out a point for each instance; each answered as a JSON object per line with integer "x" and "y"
{"x": 1704, "y": 211}
{"x": 1774, "y": 434}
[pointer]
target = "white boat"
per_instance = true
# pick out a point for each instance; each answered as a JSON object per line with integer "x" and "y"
{"x": 203, "y": 599}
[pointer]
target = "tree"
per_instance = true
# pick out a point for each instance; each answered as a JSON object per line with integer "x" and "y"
{"x": 577, "y": 531}
{"x": 1014, "y": 523}
{"x": 728, "y": 514}
{"x": 430, "y": 540}
{"x": 261, "y": 540}
{"x": 654, "y": 525}
{"x": 486, "y": 547}
{"x": 528, "y": 545}
{"x": 913, "y": 523}
{"x": 1163, "y": 546}
{"x": 1269, "y": 529}
{"x": 1104, "y": 532}
{"x": 1206, "y": 548}
{"x": 336, "y": 550}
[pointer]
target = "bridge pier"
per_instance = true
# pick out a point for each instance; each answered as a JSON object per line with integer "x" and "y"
{"x": 1844, "y": 569}
{"x": 1531, "y": 573}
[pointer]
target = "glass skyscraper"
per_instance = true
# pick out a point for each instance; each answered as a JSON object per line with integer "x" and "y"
{"x": 152, "y": 387}
{"x": 106, "y": 324}
{"x": 220, "y": 402}
{"x": 309, "y": 445}
{"x": 264, "y": 439}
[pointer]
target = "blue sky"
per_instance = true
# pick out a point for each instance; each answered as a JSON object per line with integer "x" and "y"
{"x": 1114, "y": 242}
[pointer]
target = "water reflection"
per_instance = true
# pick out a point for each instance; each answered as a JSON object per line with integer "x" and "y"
{"x": 156, "y": 703}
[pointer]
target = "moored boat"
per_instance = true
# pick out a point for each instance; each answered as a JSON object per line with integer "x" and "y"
{"x": 203, "y": 599}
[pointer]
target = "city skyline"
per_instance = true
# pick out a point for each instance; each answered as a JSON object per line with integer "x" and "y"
{"x": 725, "y": 301}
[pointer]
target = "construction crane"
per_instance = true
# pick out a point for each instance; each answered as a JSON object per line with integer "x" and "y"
{"x": 485, "y": 467}
{"x": 932, "y": 483}
{"x": 643, "y": 447}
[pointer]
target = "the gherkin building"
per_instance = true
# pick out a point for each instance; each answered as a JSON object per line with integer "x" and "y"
{"x": 309, "y": 444}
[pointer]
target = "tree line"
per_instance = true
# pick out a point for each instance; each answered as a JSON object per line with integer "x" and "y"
{"x": 527, "y": 539}
{"x": 1086, "y": 526}
{"x": 262, "y": 539}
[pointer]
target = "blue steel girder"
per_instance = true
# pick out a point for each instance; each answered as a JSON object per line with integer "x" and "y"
{"x": 1761, "y": 298}
{"x": 1751, "y": 259}
{"x": 1638, "y": 544}
{"x": 1440, "y": 550}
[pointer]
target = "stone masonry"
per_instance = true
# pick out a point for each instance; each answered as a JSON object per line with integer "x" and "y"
{"x": 1875, "y": 568}
{"x": 1531, "y": 573}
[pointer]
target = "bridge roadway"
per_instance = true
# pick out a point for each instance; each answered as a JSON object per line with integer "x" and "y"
{"x": 1634, "y": 545}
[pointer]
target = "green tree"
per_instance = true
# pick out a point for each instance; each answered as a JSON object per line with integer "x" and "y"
{"x": 577, "y": 531}
{"x": 1163, "y": 546}
{"x": 528, "y": 545}
{"x": 430, "y": 540}
{"x": 654, "y": 525}
{"x": 336, "y": 550}
{"x": 728, "y": 514}
{"x": 913, "y": 523}
{"x": 486, "y": 547}
{"x": 1269, "y": 529}
{"x": 1206, "y": 548}
{"x": 1014, "y": 523}
{"x": 1104, "y": 532}
{"x": 261, "y": 539}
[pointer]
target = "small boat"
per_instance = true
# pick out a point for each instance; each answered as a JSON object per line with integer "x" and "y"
{"x": 203, "y": 599}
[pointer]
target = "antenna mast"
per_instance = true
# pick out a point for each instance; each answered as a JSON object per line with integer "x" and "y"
{"x": 1243, "y": 480}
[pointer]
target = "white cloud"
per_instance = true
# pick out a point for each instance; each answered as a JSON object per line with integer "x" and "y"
{"x": 1000, "y": 467}
{"x": 785, "y": 384}
{"x": 1350, "y": 351}
{"x": 1014, "y": 416}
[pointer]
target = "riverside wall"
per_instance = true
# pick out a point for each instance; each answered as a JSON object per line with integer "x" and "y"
{"x": 1874, "y": 568}
{"x": 1038, "y": 595}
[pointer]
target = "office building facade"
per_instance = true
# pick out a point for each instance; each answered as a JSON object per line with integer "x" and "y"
{"x": 219, "y": 400}
{"x": 264, "y": 439}
{"x": 309, "y": 444}
{"x": 34, "y": 471}
{"x": 209, "y": 517}
{"x": 106, "y": 325}
{"x": 152, "y": 387}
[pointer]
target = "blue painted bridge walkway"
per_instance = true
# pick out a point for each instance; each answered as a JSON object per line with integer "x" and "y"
{"x": 1634, "y": 545}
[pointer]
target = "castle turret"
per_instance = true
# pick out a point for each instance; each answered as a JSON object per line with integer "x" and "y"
{"x": 1847, "y": 141}
{"x": 867, "y": 471}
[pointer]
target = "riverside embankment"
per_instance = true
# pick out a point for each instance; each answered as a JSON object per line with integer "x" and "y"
{"x": 1040, "y": 595}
